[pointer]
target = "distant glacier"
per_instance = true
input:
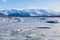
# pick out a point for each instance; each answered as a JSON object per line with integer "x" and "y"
{"x": 28, "y": 13}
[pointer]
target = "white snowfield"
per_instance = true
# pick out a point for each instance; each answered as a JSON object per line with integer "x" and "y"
{"x": 30, "y": 28}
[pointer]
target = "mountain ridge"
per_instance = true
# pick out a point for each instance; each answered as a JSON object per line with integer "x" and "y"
{"x": 28, "y": 13}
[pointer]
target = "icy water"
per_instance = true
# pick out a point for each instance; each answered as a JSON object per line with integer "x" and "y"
{"x": 30, "y": 28}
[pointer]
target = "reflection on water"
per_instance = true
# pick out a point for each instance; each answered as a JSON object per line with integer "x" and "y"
{"x": 30, "y": 28}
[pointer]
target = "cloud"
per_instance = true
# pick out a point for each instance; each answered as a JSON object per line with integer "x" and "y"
{"x": 4, "y": 1}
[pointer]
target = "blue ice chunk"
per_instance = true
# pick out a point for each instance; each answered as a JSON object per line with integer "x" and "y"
{"x": 44, "y": 27}
{"x": 52, "y": 21}
{"x": 15, "y": 32}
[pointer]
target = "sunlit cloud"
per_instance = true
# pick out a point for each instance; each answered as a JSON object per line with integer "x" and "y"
{"x": 4, "y": 1}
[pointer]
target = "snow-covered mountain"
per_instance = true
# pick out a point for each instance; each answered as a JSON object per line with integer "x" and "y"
{"x": 29, "y": 12}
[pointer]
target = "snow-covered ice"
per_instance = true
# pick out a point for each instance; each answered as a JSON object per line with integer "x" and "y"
{"x": 30, "y": 28}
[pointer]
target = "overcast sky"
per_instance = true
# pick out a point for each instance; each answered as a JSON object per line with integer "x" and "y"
{"x": 17, "y": 4}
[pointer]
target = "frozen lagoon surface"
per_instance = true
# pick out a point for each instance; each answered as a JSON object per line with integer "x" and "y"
{"x": 30, "y": 28}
